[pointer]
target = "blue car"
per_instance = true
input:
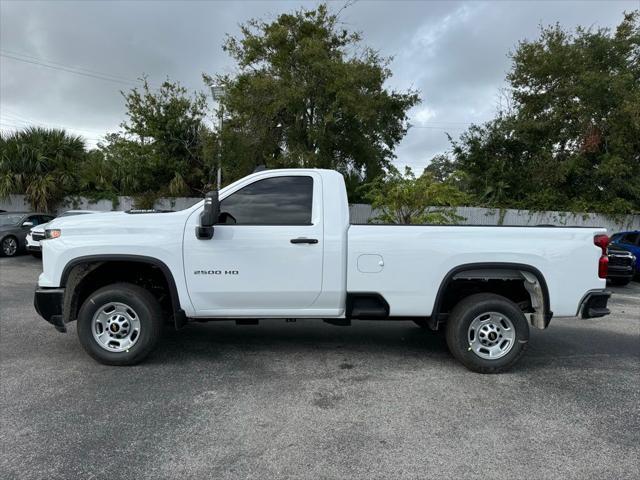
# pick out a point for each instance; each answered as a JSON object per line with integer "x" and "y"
{"x": 629, "y": 241}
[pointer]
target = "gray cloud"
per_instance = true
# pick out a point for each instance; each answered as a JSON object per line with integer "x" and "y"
{"x": 454, "y": 53}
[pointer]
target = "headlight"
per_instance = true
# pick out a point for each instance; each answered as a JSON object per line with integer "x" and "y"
{"x": 52, "y": 233}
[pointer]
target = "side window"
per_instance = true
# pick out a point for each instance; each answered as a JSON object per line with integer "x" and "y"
{"x": 631, "y": 238}
{"x": 272, "y": 201}
{"x": 35, "y": 219}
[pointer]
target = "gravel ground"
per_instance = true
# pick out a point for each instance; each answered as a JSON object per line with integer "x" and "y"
{"x": 310, "y": 400}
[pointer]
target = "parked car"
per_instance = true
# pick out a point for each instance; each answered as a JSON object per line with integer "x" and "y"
{"x": 36, "y": 235}
{"x": 622, "y": 265}
{"x": 629, "y": 241}
{"x": 278, "y": 244}
{"x": 14, "y": 227}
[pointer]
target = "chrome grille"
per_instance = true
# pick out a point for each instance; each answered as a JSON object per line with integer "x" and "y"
{"x": 619, "y": 260}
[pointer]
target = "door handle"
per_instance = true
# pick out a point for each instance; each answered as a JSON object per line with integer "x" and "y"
{"x": 304, "y": 240}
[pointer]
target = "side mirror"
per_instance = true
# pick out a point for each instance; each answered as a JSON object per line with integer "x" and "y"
{"x": 209, "y": 216}
{"x": 27, "y": 224}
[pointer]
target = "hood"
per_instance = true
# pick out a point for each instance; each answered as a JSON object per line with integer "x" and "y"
{"x": 74, "y": 220}
{"x": 7, "y": 227}
{"x": 40, "y": 228}
{"x": 118, "y": 222}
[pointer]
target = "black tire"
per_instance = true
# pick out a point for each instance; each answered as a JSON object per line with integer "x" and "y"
{"x": 620, "y": 282}
{"x": 5, "y": 251}
{"x": 148, "y": 312}
{"x": 458, "y": 327}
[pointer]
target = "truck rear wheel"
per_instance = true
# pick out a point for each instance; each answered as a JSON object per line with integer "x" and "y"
{"x": 487, "y": 333}
{"x": 120, "y": 324}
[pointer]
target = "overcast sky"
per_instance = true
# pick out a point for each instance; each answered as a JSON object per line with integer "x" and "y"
{"x": 454, "y": 53}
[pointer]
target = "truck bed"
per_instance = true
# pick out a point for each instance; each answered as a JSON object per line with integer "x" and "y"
{"x": 406, "y": 263}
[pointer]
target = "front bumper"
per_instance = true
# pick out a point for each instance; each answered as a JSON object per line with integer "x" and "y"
{"x": 594, "y": 304}
{"x": 621, "y": 272}
{"x": 34, "y": 248}
{"x": 31, "y": 242}
{"x": 48, "y": 303}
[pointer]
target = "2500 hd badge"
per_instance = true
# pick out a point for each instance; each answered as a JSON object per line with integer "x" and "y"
{"x": 216, "y": 272}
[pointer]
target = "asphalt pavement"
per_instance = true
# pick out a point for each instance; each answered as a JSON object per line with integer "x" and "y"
{"x": 310, "y": 400}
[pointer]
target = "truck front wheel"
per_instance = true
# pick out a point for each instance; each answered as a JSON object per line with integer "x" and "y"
{"x": 120, "y": 324}
{"x": 487, "y": 333}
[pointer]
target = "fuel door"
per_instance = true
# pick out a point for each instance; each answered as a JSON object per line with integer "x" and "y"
{"x": 370, "y": 263}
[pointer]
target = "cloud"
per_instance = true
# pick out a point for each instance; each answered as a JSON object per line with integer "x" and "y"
{"x": 454, "y": 53}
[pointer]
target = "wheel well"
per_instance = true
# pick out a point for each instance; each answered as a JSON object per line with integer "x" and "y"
{"x": 522, "y": 285}
{"x": 82, "y": 279}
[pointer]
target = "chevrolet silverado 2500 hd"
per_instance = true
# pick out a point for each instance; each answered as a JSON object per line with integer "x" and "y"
{"x": 278, "y": 244}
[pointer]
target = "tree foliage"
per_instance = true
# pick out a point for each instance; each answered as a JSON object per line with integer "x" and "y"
{"x": 164, "y": 147}
{"x": 309, "y": 94}
{"x": 41, "y": 163}
{"x": 572, "y": 138}
{"x": 403, "y": 198}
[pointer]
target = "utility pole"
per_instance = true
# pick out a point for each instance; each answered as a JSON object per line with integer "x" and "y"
{"x": 217, "y": 91}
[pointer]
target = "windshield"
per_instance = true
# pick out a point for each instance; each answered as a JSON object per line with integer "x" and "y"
{"x": 10, "y": 219}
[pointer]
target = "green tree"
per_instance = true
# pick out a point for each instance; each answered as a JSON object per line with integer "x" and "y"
{"x": 442, "y": 167}
{"x": 164, "y": 146}
{"x": 404, "y": 198}
{"x": 97, "y": 177}
{"x": 572, "y": 139}
{"x": 496, "y": 164}
{"x": 309, "y": 94}
{"x": 41, "y": 163}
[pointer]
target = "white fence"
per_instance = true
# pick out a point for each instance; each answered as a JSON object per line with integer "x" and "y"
{"x": 18, "y": 203}
{"x": 362, "y": 213}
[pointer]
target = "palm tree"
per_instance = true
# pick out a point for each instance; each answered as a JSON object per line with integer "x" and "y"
{"x": 41, "y": 163}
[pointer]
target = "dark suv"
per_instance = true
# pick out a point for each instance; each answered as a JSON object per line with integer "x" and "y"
{"x": 14, "y": 227}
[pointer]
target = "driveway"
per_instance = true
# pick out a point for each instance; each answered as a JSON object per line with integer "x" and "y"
{"x": 310, "y": 400}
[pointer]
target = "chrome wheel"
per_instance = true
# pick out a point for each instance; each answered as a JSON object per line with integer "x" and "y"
{"x": 9, "y": 246}
{"x": 116, "y": 327}
{"x": 491, "y": 335}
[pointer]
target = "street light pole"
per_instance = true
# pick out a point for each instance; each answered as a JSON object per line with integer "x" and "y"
{"x": 217, "y": 91}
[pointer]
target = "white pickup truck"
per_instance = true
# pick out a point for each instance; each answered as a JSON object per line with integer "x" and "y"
{"x": 278, "y": 244}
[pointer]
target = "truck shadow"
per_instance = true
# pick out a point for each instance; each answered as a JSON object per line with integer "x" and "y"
{"x": 218, "y": 341}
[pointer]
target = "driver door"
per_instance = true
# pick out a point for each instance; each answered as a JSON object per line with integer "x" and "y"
{"x": 266, "y": 258}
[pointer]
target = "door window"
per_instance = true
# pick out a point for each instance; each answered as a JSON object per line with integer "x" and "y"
{"x": 631, "y": 238}
{"x": 271, "y": 201}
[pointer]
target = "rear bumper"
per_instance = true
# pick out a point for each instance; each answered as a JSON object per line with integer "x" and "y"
{"x": 594, "y": 304}
{"x": 48, "y": 303}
